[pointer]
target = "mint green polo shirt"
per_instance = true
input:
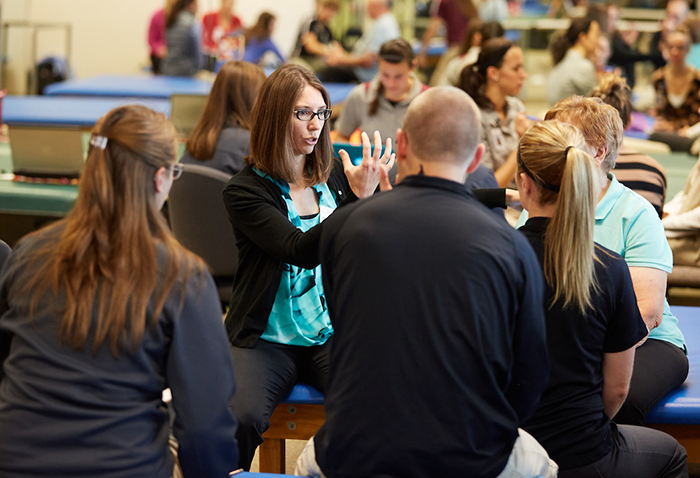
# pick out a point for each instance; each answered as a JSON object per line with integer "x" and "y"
{"x": 627, "y": 223}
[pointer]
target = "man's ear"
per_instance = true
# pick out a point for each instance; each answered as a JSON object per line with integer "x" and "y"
{"x": 477, "y": 158}
{"x": 401, "y": 145}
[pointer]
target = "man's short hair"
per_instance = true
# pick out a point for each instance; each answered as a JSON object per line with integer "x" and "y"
{"x": 600, "y": 123}
{"x": 442, "y": 124}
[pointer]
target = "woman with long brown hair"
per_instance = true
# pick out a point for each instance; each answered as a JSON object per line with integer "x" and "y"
{"x": 593, "y": 323}
{"x": 220, "y": 139}
{"x": 278, "y": 320}
{"x": 494, "y": 82}
{"x": 99, "y": 313}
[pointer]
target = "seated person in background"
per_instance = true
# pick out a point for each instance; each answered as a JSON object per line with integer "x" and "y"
{"x": 361, "y": 64}
{"x": 493, "y": 82}
{"x": 156, "y": 37}
{"x": 574, "y": 73}
{"x": 624, "y": 55}
{"x": 441, "y": 354}
{"x": 183, "y": 39}
{"x": 478, "y": 34}
{"x": 101, "y": 311}
{"x": 676, "y": 13}
{"x": 682, "y": 221}
{"x": 220, "y": 139}
{"x": 315, "y": 38}
{"x": 639, "y": 172}
{"x": 455, "y": 16}
{"x": 677, "y": 87}
{"x": 278, "y": 321}
{"x": 381, "y": 104}
{"x": 627, "y": 224}
{"x": 258, "y": 41}
{"x": 593, "y": 322}
{"x": 217, "y": 26}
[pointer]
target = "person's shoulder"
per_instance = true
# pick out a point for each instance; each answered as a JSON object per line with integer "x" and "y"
{"x": 360, "y": 93}
{"x": 632, "y": 207}
{"x": 515, "y": 104}
{"x": 234, "y": 133}
{"x": 658, "y": 75}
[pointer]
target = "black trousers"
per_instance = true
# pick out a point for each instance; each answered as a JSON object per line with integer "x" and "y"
{"x": 659, "y": 367}
{"x": 638, "y": 452}
{"x": 265, "y": 375}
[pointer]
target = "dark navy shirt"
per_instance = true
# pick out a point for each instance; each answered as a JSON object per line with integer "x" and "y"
{"x": 570, "y": 422}
{"x": 439, "y": 352}
{"x": 75, "y": 413}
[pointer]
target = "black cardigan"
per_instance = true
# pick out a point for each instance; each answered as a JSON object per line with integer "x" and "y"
{"x": 266, "y": 241}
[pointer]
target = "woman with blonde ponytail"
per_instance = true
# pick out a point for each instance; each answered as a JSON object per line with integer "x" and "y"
{"x": 99, "y": 313}
{"x": 593, "y": 322}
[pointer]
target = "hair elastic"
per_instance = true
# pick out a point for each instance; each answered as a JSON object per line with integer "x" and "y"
{"x": 566, "y": 151}
{"x": 537, "y": 180}
{"x": 99, "y": 141}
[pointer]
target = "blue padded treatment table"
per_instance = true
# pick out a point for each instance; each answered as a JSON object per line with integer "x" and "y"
{"x": 69, "y": 111}
{"x": 678, "y": 414}
{"x": 130, "y": 86}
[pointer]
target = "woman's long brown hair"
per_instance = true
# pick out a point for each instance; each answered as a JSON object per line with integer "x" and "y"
{"x": 261, "y": 30}
{"x": 232, "y": 97}
{"x": 105, "y": 259}
{"x": 271, "y": 128}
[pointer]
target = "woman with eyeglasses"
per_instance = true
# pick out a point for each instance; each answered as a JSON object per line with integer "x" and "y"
{"x": 103, "y": 310}
{"x": 278, "y": 320}
{"x": 593, "y": 322}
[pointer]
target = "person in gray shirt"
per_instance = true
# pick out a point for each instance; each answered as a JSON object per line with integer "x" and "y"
{"x": 220, "y": 139}
{"x": 574, "y": 73}
{"x": 380, "y": 104}
{"x": 183, "y": 37}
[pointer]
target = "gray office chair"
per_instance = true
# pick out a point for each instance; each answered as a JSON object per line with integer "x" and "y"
{"x": 200, "y": 222}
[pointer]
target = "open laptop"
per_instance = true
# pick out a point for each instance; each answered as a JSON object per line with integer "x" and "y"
{"x": 46, "y": 152}
{"x": 186, "y": 111}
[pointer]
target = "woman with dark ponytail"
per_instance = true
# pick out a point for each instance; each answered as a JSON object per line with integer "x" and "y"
{"x": 493, "y": 82}
{"x": 593, "y": 323}
{"x": 574, "y": 72}
{"x": 100, "y": 312}
{"x": 381, "y": 104}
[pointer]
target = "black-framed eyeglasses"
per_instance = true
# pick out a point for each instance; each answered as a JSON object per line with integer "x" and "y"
{"x": 177, "y": 171}
{"x": 307, "y": 115}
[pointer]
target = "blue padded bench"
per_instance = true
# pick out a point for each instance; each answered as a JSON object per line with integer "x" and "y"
{"x": 69, "y": 111}
{"x": 297, "y": 417}
{"x": 130, "y": 86}
{"x": 678, "y": 414}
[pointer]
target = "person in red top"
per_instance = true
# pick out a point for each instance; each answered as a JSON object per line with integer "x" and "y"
{"x": 216, "y": 25}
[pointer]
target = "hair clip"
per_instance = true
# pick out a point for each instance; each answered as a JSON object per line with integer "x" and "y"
{"x": 99, "y": 141}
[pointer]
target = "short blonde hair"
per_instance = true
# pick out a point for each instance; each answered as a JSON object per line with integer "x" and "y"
{"x": 600, "y": 124}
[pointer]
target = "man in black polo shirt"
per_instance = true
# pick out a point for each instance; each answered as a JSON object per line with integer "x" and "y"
{"x": 439, "y": 351}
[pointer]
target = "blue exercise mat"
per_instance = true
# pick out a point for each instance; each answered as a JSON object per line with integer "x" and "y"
{"x": 68, "y": 111}
{"x": 130, "y": 86}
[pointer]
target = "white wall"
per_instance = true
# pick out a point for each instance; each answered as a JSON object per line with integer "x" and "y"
{"x": 109, "y": 36}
